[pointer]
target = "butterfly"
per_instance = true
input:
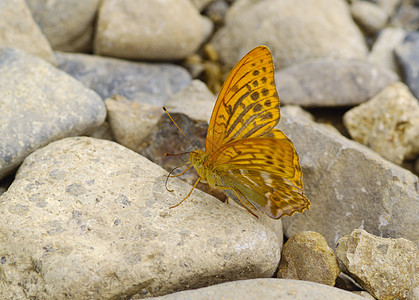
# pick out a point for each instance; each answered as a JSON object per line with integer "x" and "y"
{"x": 254, "y": 163}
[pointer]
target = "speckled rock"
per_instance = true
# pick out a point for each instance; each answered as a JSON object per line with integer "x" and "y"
{"x": 40, "y": 104}
{"x": 142, "y": 82}
{"x": 326, "y": 82}
{"x": 307, "y": 256}
{"x": 292, "y": 34}
{"x": 195, "y": 100}
{"x": 388, "y": 123}
{"x": 382, "y": 52}
{"x": 90, "y": 219}
{"x": 19, "y": 30}
{"x": 350, "y": 186}
{"x": 387, "y": 268}
{"x": 265, "y": 289}
{"x": 131, "y": 122}
{"x": 407, "y": 55}
{"x": 68, "y": 25}
{"x": 158, "y": 30}
{"x": 370, "y": 16}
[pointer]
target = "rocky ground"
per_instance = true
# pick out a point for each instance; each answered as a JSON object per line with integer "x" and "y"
{"x": 84, "y": 208}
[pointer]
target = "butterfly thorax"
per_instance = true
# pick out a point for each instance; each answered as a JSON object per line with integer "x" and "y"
{"x": 199, "y": 159}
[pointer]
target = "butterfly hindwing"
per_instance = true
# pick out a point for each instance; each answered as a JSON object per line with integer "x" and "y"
{"x": 265, "y": 172}
{"x": 248, "y": 104}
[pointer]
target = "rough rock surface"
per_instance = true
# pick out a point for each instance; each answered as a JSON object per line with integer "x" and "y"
{"x": 387, "y": 268}
{"x": 388, "y": 123}
{"x": 90, "y": 219}
{"x": 307, "y": 256}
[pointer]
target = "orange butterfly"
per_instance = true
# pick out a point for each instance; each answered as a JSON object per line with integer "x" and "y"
{"x": 254, "y": 163}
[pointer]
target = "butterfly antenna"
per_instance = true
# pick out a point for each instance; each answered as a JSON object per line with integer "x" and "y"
{"x": 165, "y": 110}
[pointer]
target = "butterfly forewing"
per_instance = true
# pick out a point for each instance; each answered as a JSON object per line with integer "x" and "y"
{"x": 248, "y": 104}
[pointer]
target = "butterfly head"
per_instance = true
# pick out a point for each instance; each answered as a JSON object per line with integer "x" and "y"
{"x": 198, "y": 157}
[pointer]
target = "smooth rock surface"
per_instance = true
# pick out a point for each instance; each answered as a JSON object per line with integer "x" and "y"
{"x": 388, "y": 123}
{"x": 386, "y": 268}
{"x": 195, "y": 100}
{"x": 292, "y": 34}
{"x": 90, "y": 219}
{"x": 19, "y": 30}
{"x": 350, "y": 187}
{"x": 131, "y": 122}
{"x": 265, "y": 289}
{"x": 407, "y": 55}
{"x": 370, "y": 16}
{"x": 37, "y": 112}
{"x": 142, "y": 82}
{"x": 68, "y": 25}
{"x": 326, "y": 82}
{"x": 307, "y": 256}
{"x": 158, "y": 30}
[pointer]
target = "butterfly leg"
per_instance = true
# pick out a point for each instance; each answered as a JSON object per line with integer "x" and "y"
{"x": 196, "y": 182}
{"x": 180, "y": 173}
{"x": 167, "y": 178}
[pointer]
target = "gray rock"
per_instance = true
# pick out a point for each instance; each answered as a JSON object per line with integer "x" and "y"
{"x": 326, "y": 82}
{"x": 382, "y": 52}
{"x": 407, "y": 55}
{"x": 158, "y": 30}
{"x": 264, "y": 289}
{"x": 350, "y": 186}
{"x": 19, "y": 30}
{"x": 131, "y": 122}
{"x": 389, "y": 6}
{"x": 90, "y": 219}
{"x": 295, "y": 31}
{"x": 195, "y": 100}
{"x": 386, "y": 268}
{"x": 40, "y": 104}
{"x": 307, "y": 256}
{"x": 68, "y": 25}
{"x": 388, "y": 123}
{"x": 370, "y": 16}
{"x": 142, "y": 82}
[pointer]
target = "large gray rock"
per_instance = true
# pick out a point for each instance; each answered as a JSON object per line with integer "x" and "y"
{"x": 326, "y": 82}
{"x": 350, "y": 186}
{"x": 90, "y": 219}
{"x": 40, "y": 104}
{"x": 265, "y": 289}
{"x": 294, "y": 30}
{"x": 143, "y": 82}
{"x": 68, "y": 25}
{"x": 19, "y": 30}
{"x": 158, "y": 30}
